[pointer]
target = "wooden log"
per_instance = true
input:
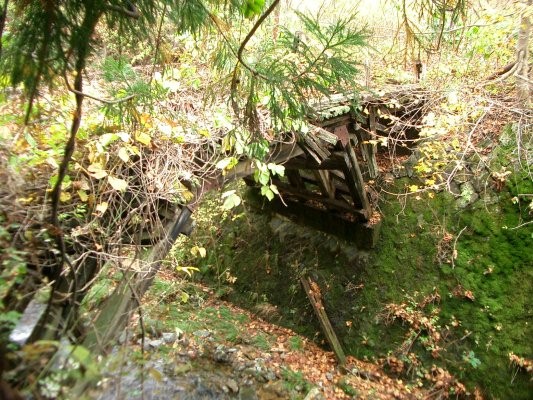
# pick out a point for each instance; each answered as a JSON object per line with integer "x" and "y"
{"x": 315, "y": 298}
{"x": 324, "y": 135}
{"x": 313, "y": 148}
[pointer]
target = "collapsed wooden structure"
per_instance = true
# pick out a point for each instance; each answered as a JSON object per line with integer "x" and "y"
{"x": 325, "y": 186}
{"x": 329, "y": 167}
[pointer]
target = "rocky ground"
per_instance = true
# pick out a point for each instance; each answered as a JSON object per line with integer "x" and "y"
{"x": 218, "y": 351}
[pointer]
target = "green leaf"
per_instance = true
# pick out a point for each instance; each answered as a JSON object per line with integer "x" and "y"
{"x": 267, "y": 192}
{"x": 252, "y": 8}
{"x": 83, "y": 356}
{"x": 262, "y": 177}
{"x": 83, "y": 195}
{"x": 276, "y": 169}
{"x": 108, "y": 138}
{"x": 227, "y": 163}
{"x": 232, "y": 200}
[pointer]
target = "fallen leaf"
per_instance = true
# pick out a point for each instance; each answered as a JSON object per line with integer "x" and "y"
{"x": 118, "y": 184}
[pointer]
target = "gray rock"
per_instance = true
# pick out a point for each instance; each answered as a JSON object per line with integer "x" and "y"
{"x": 248, "y": 393}
{"x": 154, "y": 344}
{"x": 232, "y": 385}
{"x": 169, "y": 337}
{"x": 481, "y": 182}
{"x": 454, "y": 188}
{"x": 203, "y": 333}
{"x": 221, "y": 355}
{"x": 314, "y": 394}
{"x": 468, "y": 195}
{"x": 269, "y": 375}
{"x": 409, "y": 165}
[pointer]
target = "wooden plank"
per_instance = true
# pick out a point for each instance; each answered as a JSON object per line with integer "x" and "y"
{"x": 354, "y": 179}
{"x": 335, "y": 204}
{"x": 315, "y": 297}
{"x": 371, "y": 148}
{"x": 332, "y": 163}
{"x": 117, "y": 308}
{"x": 325, "y": 183}
{"x": 315, "y": 149}
{"x": 335, "y": 121}
{"x": 324, "y": 135}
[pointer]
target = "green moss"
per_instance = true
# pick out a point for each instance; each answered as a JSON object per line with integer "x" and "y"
{"x": 493, "y": 262}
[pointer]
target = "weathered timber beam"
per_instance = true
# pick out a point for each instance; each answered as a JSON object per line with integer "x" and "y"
{"x": 354, "y": 179}
{"x": 371, "y": 148}
{"x": 314, "y": 149}
{"x": 325, "y": 183}
{"x": 315, "y": 298}
{"x": 339, "y": 120}
{"x": 304, "y": 163}
{"x": 117, "y": 309}
{"x": 327, "y": 202}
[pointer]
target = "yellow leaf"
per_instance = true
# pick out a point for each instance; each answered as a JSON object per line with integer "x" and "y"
{"x": 199, "y": 251}
{"x": 83, "y": 195}
{"x": 118, "y": 184}
{"x": 146, "y": 120}
{"x": 64, "y": 197}
{"x": 123, "y": 154}
{"x": 158, "y": 376}
{"x": 26, "y": 200}
{"x": 143, "y": 138}
{"x": 96, "y": 171}
{"x": 102, "y": 207}
{"x": 413, "y": 188}
{"x": 134, "y": 150}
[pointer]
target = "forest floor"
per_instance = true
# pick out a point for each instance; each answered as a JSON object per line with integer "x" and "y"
{"x": 197, "y": 346}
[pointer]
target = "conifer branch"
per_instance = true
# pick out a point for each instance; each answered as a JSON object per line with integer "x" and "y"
{"x": 131, "y": 11}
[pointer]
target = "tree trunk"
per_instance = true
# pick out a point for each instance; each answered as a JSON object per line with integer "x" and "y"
{"x": 523, "y": 83}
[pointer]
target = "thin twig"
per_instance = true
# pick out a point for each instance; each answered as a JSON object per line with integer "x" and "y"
{"x": 454, "y": 251}
{"x": 105, "y": 101}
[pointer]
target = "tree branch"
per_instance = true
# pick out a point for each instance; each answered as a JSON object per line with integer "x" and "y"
{"x": 79, "y": 93}
{"x": 131, "y": 11}
{"x": 254, "y": 29}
